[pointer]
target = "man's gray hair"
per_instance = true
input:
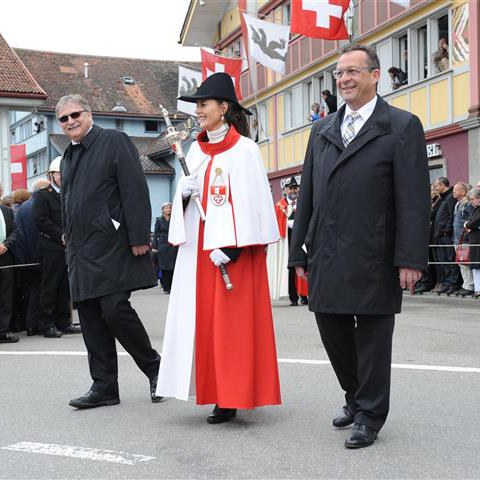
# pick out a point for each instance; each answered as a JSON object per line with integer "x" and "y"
{"x": 73, "y": 98}
{"x": 466, "y": 187}
{"x": 474, "y": 193}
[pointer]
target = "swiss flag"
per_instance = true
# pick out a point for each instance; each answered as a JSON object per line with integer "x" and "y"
{"x": 212, "y": 63}
{"x": 320, "y": 18}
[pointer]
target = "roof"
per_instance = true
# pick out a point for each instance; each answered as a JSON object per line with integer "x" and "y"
{"x": 15, "y": 79}
{"x": 155, "y": 81}
{"x": 149, "y": 149}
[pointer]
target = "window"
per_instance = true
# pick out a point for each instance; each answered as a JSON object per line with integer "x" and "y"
{"x": 440, "y": 42}
{"x": 286, "y": 13}
{"x": 37, "y": 164}
{"x": 262, "y": 121}
{"x": 295, "y": 113}
{"x": 119, "y": 124}
{"x": 151, "y": 126}
{"x": 23, "y": 131}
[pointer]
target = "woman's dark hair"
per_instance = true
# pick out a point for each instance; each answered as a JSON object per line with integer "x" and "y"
{"x": 236, "y": 117}
{"x": 394, "y": 71}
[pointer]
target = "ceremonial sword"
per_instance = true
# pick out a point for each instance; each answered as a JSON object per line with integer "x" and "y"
{"x": 174, "y": 138}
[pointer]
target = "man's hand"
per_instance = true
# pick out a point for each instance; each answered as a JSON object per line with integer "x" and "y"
{"x": 301, "y": 273}
{"x": 408, "y": 278}
{"x": 140, "y": 249}
{"x": 3, "y": 249}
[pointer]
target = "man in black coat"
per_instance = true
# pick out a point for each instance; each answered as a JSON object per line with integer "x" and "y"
{"x": 363, "y": 215}
{"x": 448, "y": 274}
{"x": 106, "y": 213}
{"x": 56, "y": 314}
{"x": 8, "y": 235}
{"x": 330, "y": 100}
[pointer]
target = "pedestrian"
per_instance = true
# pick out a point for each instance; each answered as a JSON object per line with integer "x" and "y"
{"x": 472, "y": 226}
{"x": 330, "y": 100}
{"x": 166, "y": 253}
{"x": 285, "y": 210}
{"x": 363, "y": 215}
{"x": 107, "y": 215}
{"x": 8, "y": 235}
{"x": 462, "y": 213}
{"x": 230, "y": 331}
{"x": 55, "y": 304}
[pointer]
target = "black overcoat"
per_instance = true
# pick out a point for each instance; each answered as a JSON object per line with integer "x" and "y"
{"x": 474, "y": 238}
{"x": 47, "y": 213}
{"x": 363, "y": 211}
{"x": 167, "y": 253}
{"x": 103, "y": 182}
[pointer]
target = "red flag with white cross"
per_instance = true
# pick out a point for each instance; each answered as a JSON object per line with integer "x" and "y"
{"x": 320, "y": 18}
{"x": 212, "y": 63}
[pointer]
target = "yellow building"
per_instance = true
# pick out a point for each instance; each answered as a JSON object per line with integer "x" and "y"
{"x": 407, "y": 34}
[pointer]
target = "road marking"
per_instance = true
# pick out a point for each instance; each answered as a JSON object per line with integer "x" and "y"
{"x": 79, "y": 452}
{"x": 401, "y": 366}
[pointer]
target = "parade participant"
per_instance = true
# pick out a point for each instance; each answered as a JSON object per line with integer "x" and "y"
{"x": 55, "y": 309}
{"x": 229, "y": 332}
{"x": 285, "y": 210}
{"x": 363, "y": 216}
{"x": 107, "y": 215}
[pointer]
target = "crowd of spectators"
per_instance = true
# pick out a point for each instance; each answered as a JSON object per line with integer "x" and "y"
{"x": 455, "y": 220}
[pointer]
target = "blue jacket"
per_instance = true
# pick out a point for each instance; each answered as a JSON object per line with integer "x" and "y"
{"x": 25, "y": 250}
{"x": 462, "y": 213}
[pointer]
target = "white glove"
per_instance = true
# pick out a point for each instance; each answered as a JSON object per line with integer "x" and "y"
{"x": 290, "y": 223}
{"x": 189, "y": 185}
{"x": 218, "y": 257}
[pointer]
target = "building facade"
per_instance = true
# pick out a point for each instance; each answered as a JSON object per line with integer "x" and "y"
{"x": 406, "y": 34}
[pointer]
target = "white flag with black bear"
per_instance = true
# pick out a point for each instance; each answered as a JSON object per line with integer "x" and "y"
{"x": 268, "y": 42}
{"x": 188, "y": 81}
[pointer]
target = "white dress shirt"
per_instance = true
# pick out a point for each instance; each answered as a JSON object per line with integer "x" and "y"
{"x": 364, "y": 113}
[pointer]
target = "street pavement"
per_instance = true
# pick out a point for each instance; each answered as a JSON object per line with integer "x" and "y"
{"x": 432, "y": 431}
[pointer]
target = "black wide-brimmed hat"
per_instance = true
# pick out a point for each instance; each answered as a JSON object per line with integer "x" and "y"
{"x": 291, "y": 182}
{"x": 218, "y": 86}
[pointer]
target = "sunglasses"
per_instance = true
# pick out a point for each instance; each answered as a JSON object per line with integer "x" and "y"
{"x": 73, "y": 116}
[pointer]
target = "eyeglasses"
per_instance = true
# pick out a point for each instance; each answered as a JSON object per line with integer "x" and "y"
{"x": 73, "y": 116}
{"x": 351, "y": 72}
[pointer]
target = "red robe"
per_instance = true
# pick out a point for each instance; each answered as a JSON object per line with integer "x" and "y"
{"x": 235, "y": 353}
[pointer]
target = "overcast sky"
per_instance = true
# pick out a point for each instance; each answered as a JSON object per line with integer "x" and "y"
{"x": 118, "y": 28}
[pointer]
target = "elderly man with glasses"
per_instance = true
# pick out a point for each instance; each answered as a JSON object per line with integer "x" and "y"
{"x": 363, "y": 215}
{"x": 106, "y": 213}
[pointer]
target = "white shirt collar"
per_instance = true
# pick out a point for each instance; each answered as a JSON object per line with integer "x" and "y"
{"x": 365, "y": 111}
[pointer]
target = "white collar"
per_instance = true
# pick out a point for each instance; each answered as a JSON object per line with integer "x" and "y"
{"x": 365, "y": 111}
{"x": 78, "y": 143}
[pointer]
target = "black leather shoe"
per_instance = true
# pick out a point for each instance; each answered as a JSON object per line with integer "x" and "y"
{"x": 93, "y": 399}
{"x": 52, "y": 333}
{"x": 8, "y": 338}
{"x": 465, "y": 293}
{"x": 452, "y": 291}
{"x": 344, "y": 418}
{"x": 294, "y": 304}
{"x": 221, "y": 415}
{"x": 153, "y": 388}
{"x": 304, "y": 301}
{"x": 361, "y": 436}
{"x": 72, "y": 329}
{"x": 444, "y": 289}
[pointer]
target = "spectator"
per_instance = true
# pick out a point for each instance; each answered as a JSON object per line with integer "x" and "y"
{"x": 441, "y": 56}
{"x": 7, "y": 200}
{"x": 18, "y": 197}
{"x": 473, "y": 227}
{"x": 315, "y": 113}
{"x": 26, "y": 253}
{"x": 330, "y": 100}
{"x": 166, "y": 253}
{"x": 8, "y": 235}
{"x": 462, "y": 213}
{"x": 448, "y": 274}
{"x": 398, "y": 77}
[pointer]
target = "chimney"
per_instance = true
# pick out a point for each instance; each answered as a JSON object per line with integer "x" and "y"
{"x": 86, "y": 69}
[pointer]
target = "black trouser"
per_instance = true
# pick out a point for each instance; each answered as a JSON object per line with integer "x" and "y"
{"x": 449, "y": 273}
{"x": 55, "y": 303}
{"x": 167, "y": 276}
{"x": 6, "y": 293}
{"x": 105, "y": 319}
{"x": 361, "y": 354}
{"x": 31, "y": 291}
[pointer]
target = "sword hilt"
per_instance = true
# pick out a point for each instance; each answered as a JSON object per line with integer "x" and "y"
{"x": 226, "y": 278}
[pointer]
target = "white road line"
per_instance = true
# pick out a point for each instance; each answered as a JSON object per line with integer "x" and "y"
{"x": 401, "y": 366}
{"x": 79, "y": 452}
